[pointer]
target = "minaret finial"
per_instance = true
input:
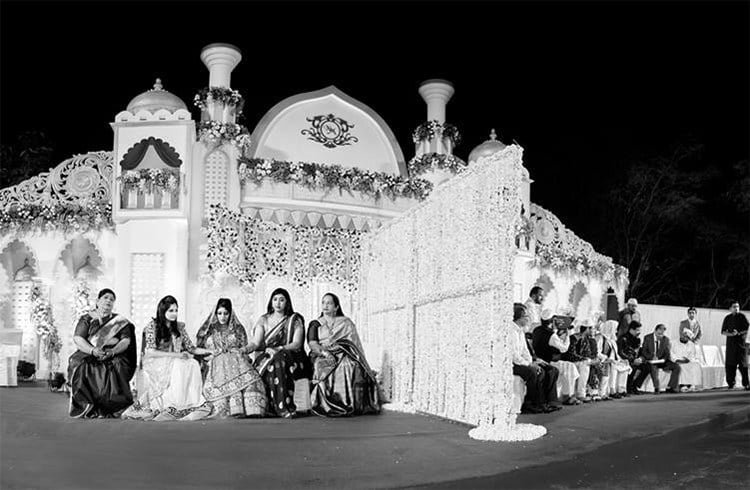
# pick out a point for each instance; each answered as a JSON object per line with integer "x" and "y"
{"x": 158, "y": 85}
{"x": 493, "y": 134}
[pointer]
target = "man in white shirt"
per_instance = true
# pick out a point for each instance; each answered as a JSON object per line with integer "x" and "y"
{"x": 534, "y": 306}
{"x": 540, "y": 377}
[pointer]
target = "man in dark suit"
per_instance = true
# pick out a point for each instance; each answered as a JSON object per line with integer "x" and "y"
{"x": 656, "y": 352}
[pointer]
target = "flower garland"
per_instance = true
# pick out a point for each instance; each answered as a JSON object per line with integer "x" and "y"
{"x": 150, "y": 179}
{"x": 81, "y": 301}
{"x": 215, "y": 134}
{"x": 249, "y": 249}
{"x": 41, "y": 319}
{"x": 223, "y": 95}
{"x": 65, "y": 218}
{"x": 432, "y": 161}
{"x": 567, "y": 261}
{"x": 430, "y": 129}
{"x": 319, "y": 177}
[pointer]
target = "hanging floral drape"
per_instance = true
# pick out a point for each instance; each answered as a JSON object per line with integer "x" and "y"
{"x": 249, "y": 249}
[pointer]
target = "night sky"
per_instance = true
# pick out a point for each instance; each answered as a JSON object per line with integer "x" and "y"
{"x": 583, "y": 87}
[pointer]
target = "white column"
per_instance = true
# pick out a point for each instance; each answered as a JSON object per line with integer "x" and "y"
{"x": 436, "y": 93}
{"x": 220, "y": 59}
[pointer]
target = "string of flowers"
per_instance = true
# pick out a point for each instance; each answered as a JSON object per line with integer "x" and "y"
{"x": 67, "y": 218}
{"x": 428, "y": 161}
{"x": 150, "y": 179}
{"x": 222, "y": 95}
{"x": 81, "y": 301}
{"x": 562, "y": 260}
{"x": 319, "y": 177}
{"x": 430, "y": 129}
{"x": 215, "y": 134}
{"x": 41, "y": 319}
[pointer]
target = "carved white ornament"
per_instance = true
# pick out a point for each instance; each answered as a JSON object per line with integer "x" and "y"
{"x": 78, "y": 180}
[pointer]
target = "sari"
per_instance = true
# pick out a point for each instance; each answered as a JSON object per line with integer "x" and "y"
{"x": 102, "y": 387}
{"x": 231, "y": 384}
{"x": 282, "y": 368}
{"x": 167, "y": 386}
{"x": 343, "y": 384}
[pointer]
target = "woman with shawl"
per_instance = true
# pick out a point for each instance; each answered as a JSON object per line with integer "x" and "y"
{"x": 284, "y": 360}
{"x": 615, "y": 368}
{"x": 231, "y": 383}
{"x": 169, "y": 378}
{"x": 101, "y": 369}
{"x": 343, "y": 383}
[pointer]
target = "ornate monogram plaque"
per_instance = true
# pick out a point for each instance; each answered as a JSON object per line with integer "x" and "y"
{"x": 329, "y": 130}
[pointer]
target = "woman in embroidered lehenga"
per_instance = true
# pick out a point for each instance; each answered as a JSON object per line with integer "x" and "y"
{"x": 231, "y": 384}
{"x": 284, "y": 360}
{"x": 343, "y": 383}
{"x": 101, "y": 369}
{"x": 169, "y": 382}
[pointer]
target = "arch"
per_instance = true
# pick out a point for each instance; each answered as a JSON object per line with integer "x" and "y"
{"x": 73, "y": 256}
{"x": 376, "y": 149}
{"x": 164, "y": 150}
{"x": 578, "y": 293}
{"x": 14, "y": 255}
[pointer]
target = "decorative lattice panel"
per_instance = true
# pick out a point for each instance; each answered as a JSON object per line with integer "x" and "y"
{"x": 146, "y": 287}
{"x": 215, "y": 191}
{"x": 21, "y": 317}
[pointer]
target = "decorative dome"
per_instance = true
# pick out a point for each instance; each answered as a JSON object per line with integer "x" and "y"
{"x": 155, "y": 99}
{"x": 489, "y": 147}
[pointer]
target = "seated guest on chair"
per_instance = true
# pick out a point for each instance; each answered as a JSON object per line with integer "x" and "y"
{"x": 686, "y": 352}
{"x": 540, "y": 377}
{"x": 589, "y": 367}
{"x": 169, "y": 380}
{"x": 629, "y": 346}
{"x": 615, "y": 368}
{"x": 101, "y": 369}
{"x": 657, "y": 353}
{"x": 550, "y": 340}
{"x": 284, "y": 360}
{"x": 231, "y": 384}
{"x": 343, "y": 383}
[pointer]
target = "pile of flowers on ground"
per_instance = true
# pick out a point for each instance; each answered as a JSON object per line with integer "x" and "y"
{"x": 65, "y": 218}
{"x": 150, "y": 179}
{"x": 319, "y": 177}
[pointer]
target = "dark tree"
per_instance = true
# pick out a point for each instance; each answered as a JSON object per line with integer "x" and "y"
{"x": 27, "y": 156}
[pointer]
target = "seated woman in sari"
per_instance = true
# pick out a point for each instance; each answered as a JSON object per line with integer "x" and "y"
{"x": 343, "y": 383}
{"x": 101, "y": 369}
{"x": 231, "y": 383}
{"x": 284, "y": 360}
{"x": 169, "y": 379}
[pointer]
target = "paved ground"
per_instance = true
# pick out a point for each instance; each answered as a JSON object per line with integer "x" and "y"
{"x": 694, "y": 440}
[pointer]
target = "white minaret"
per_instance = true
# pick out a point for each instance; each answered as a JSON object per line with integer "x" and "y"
{"x": 220, "y": 59}
{"x": 436, "y": 93}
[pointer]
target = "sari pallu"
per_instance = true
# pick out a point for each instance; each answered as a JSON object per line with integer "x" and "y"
{"x": 231, "y": 384}
{"x": 343, "y": 384}
{"x": 102, "y": 387}
{"x": 281, "y": 369}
